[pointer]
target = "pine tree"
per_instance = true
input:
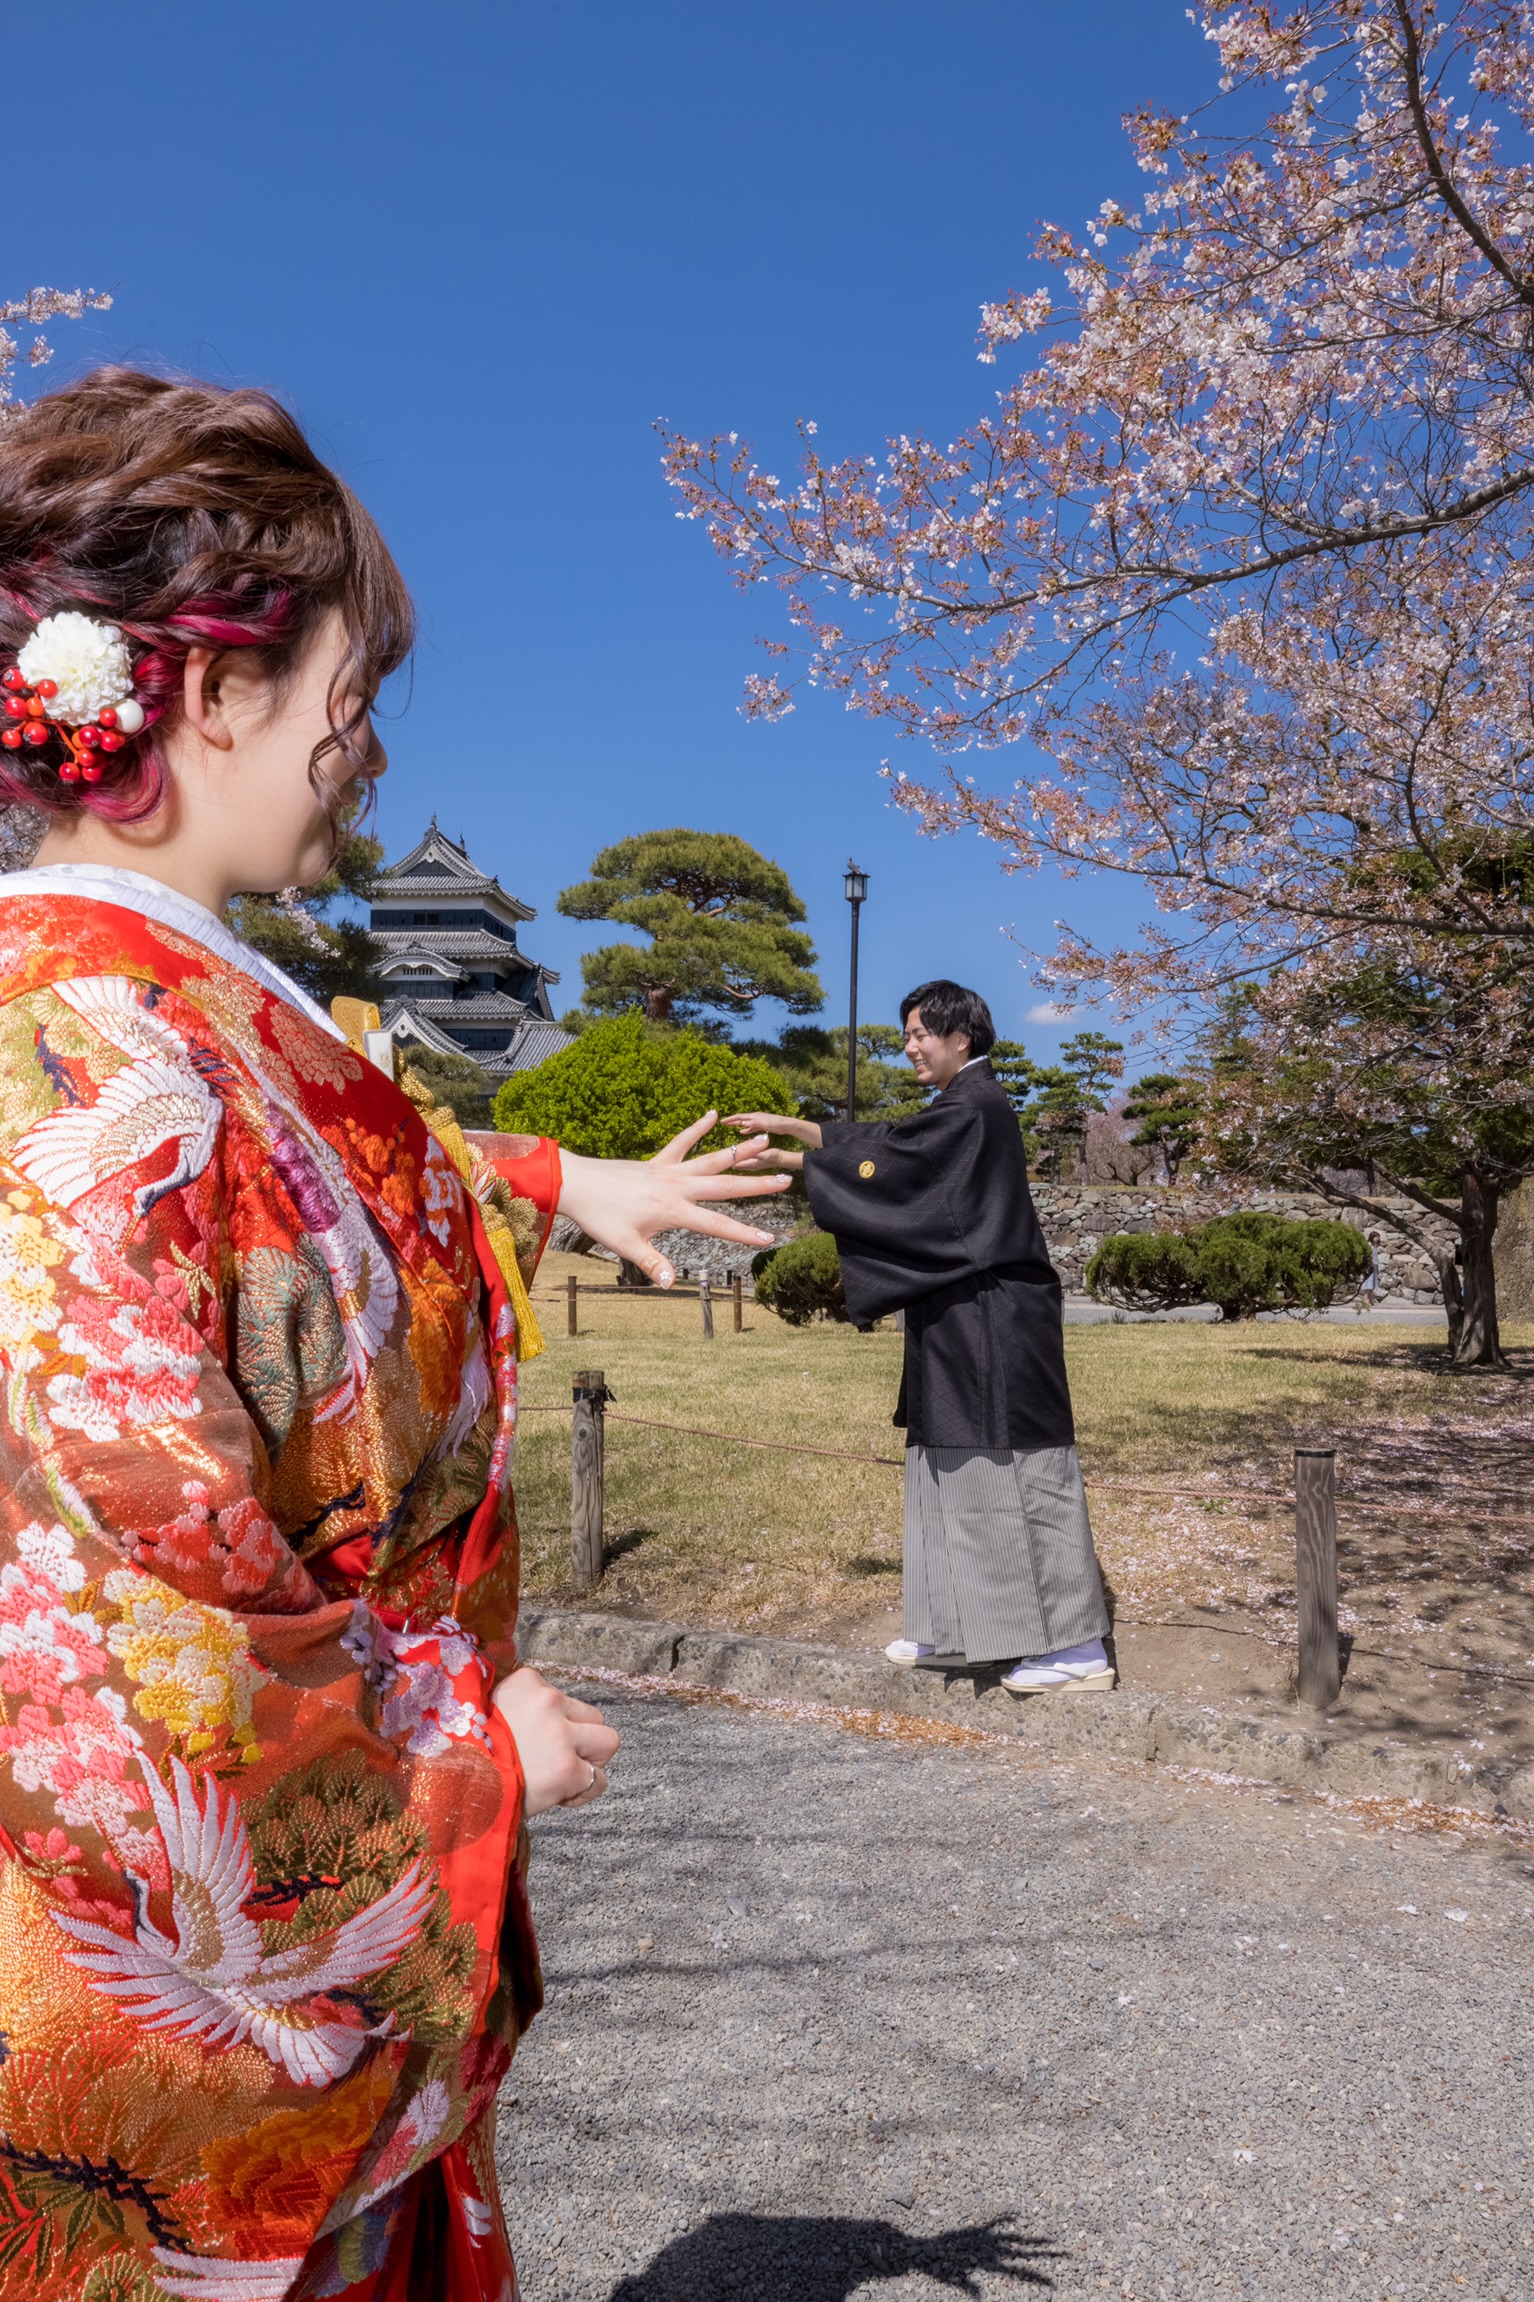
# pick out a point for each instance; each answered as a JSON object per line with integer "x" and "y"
{"x": 1064, "y": 1095}
{"x": 1168, "y": 1108}
{"x": 720, "y": 918}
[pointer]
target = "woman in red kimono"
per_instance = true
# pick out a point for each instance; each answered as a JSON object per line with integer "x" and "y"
{"x": 265, "y": 1753}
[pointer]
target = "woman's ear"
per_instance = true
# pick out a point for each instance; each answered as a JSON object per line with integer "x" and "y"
{"x": 202, "y": 703}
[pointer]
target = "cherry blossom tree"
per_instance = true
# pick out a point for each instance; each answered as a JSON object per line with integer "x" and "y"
{"x": 1242, "y": 557}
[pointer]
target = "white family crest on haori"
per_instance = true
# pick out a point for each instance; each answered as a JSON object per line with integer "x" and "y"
{"x": 158, "y": 1097}
{"x": 215, "y": 1981}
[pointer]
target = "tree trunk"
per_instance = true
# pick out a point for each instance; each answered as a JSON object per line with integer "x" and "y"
{"x": 1477, "y": 1343}
{"x": 657, "y": 1003}
{"x": 1453, "y": 1300}
{"x": 1469, "y": 1287}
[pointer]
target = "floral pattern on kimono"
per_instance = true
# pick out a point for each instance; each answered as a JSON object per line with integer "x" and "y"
{"x": 264, "y": 1945}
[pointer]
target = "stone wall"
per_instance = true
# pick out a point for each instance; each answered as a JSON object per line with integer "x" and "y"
{"x": 690, "y": 1253}
{"x": 1076, "y": 1217}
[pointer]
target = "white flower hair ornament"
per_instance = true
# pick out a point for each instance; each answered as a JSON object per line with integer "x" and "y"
{"x": 72, "y": 681}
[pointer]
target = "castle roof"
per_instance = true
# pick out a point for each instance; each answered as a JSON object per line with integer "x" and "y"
{"x": 437, "y": 869}
{"x": 484, "y": 1007}
{"x": 531, "y": 1040}
{"x": 460, "y": 943}
{"x": 534, "y": 1044}
{"x": 425, "y": 963}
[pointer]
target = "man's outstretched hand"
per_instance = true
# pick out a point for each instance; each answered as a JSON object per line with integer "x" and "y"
{"x": 622, "y": 1203}
{"x": 751, "y": 1161}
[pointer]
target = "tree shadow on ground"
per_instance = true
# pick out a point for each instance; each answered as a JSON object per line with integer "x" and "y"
{"x": 828, "y": 2258}
{"x": 1412, "y": 1358}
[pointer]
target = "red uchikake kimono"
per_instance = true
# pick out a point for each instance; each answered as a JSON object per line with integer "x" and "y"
{"x": 264, "y": 1946}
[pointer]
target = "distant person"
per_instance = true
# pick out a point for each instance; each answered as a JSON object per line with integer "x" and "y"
{"x": 932, "y": 1215}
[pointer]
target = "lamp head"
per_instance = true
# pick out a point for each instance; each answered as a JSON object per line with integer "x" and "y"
{"x": 854, "y": 883}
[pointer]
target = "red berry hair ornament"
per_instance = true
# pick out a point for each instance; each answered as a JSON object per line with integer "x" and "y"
{"x": 72, "y": 683}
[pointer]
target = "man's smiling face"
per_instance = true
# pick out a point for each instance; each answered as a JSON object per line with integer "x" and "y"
{"x": 935, "y": 1057}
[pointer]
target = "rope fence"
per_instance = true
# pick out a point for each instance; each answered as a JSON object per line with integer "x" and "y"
{"x": 1266, "y": 1499}
{"x": 1314, "y": 1501}
{"x": 1313, "y": 1498}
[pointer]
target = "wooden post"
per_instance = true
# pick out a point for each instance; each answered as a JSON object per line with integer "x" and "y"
{"x": 1315, "y": 1537}
{"x": 586, "y": 1467}
{"x": 572, "y": 1299}
{"x": 735, "y": 1302}
{"x": 706, "y": 1302}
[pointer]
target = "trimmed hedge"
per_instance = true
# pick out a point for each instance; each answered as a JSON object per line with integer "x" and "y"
{"x": 626, "y": 1087}
{"x": 1245, "y": 1263}
{"x": 801, "y": 1280}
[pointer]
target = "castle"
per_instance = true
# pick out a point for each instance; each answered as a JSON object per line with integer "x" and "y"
{"x": 454, "y": 978}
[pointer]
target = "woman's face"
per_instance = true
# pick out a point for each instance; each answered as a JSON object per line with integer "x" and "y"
{"x": 245, "y": 774}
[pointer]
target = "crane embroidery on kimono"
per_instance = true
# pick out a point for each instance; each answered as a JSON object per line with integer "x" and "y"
{"x": 209, "y": 2278}
{"x": 214, "y": 1980}
{"x": 158, "y": 1097}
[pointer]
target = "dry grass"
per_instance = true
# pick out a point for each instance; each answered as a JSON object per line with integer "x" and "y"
{"x": 1437, "y": 1459}
{"x": 700, "y": 1530}
{"x": 708, "y": 1533}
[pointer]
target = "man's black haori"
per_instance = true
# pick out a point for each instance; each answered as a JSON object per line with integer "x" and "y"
{"x": 933, "y": 1214}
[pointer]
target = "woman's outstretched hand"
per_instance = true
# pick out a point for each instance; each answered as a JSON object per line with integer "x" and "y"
{"x": 764, "y": 1162}
{"x": 623, "y": 1202}
{"x": 564, "y": 1745}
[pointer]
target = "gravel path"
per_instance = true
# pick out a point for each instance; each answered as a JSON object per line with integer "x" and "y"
{"x": 832, "y": 2016}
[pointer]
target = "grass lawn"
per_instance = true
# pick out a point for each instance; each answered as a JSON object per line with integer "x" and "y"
{"x": 707, "y": 1533}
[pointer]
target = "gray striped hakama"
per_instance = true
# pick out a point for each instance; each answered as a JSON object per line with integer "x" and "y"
{"x": 999, "y": 1561}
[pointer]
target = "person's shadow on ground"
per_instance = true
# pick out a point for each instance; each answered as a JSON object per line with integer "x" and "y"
{"x": 827, "y": 2258}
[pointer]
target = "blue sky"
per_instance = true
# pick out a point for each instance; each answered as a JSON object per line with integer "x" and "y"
{"x": 482, "y": 247}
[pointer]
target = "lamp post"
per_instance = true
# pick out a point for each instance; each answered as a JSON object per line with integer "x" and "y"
{"x": 855, "y": 888}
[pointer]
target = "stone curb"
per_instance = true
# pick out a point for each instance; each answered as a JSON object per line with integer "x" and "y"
{"x": 1120, "y": 1725}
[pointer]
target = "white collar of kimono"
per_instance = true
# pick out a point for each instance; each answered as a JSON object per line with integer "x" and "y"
{"x": 135, "y": 891}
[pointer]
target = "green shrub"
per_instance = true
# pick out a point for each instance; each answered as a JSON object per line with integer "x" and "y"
{"x": 801, "y": 1280}
{"x": 1245, "y": 1263}
{"x": 1144, "y": 1271}
{"x": 627, "y": 1086}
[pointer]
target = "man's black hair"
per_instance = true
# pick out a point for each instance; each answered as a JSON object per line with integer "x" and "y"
{"x": 947, "y": 1007}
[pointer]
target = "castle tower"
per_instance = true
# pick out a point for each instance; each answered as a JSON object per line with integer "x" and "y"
{"x": 454, "y": 976}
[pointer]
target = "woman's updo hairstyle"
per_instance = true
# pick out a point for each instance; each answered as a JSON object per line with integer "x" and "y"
{"x": 187, "y": 515}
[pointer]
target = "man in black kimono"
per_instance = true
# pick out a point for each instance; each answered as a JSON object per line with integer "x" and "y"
{"x": 932, "y": 1215}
